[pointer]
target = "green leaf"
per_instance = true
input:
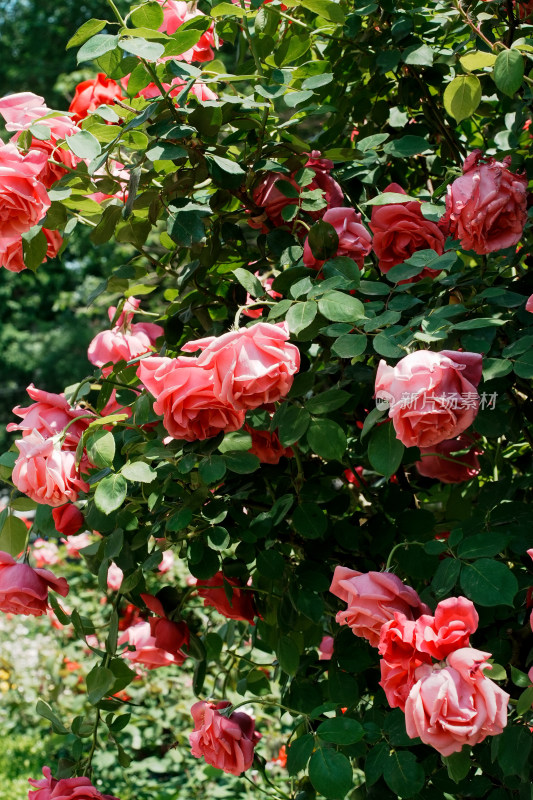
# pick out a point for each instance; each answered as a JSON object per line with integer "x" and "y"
{"x": 407, "y": 146}
{"x": 291, "y": 422}
{"x": 270, "y": 564}
{"x": 482, "y": 544}
{"x": 508, "y": 71}
{"x": 345, "y": 269}
{"x": 249, "y": 281}
{"x": 299, "y": 753}
{"x": 242, "y": 463}
{"x": 330, "y": 773}
{"x": 149, "y": 15}
{"x": 179, "y": 520}
{"x": 87, "y": 31}
{"x": 301, "y": 315}
{"x": 329, "y": 400}
{"x": 97, "y": 46}
{"x": 462, "y": 96}
{"x": 225, "y": 172}
{"x": 525, "y": 702}
{"x": 323, "y": 240}
{"x": 496, "y": 368}
{"x": 523, "y": 365}
{"x": 13, "y": 535}
{"x": 227, "y": 10}
{"x": 519, "y": 678}
{"x": 418, "y": 54}
{"x": 339, "y": 307}
{"x": 513, "y": 749}
{"x": 375, "y": 762}
{"x": 212, "y": 469}
{"x": 84, "y": 145}
{"x": 403, "y": 774}
{"x": 324, "y": 8}
{"x": 34, "y": 247}
{"x": 139, "y": 471}
{"x": 350, "y": 345}
{"x": 100, "y": 680}
{"x": 44, "y": 710}
{"x": 488, "y": 583}
{"x": 385, "y": 451}
{"x": 150, "y": 51}
{"x": 389, "y": 197}
{"x": 327, "y": 439}
{"x": 288, "y": 655}
{"x": 309, "y": 520}
{"x": 341, "y": 730}
{"x": 185, "y": 226}
{"x": 458, "y": 764}
{"x": 110, "y": 493}
{"x": 101, "y": 448}
{"x": 477, "y": 59}
{"x": 237, "y": 440}
{"x": 446, "y": 576}
{"x": 480, "y": 322}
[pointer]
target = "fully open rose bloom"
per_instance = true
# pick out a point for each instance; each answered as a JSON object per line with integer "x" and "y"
{"x": 226, "y": 743}
{"x": 455, "y": 705}
{"x": 373, "y": 598}
{"x": 125, "y": 341}
{"x": 49, "y": 415}
{"x": 486, "y": 208}
{"x": 93, "y": 93}
{"x": 252, "y": 366}
{"x": 50, "y": 788}
{"x": 400, "y": 229}
{"x": 241, "y": 606}
{"x": 440, "y": 461}
{"x": 431, "y": 396}
{"x": 24, "y": 590}
{"x": 45, "y": 472}
{"x": 186, "y": 400}
{"x": 354, "y": 240}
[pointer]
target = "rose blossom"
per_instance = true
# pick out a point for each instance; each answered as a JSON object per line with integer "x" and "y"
{"x": 68, "y": 519}
{"x": 397, "y": 641}
{"x": 22, "y": 109}
{"x": 455, "y": 705}
{"x": 400, "y": 229}
{"x": 241, "y": 606}
{"x": 250, "y": 366}
{"x": 45, "y": 553}
{"x": 397, "y": 681}
{"x": 45, "y": 472}
{"x": 93, "y": 93}
{"x": 115, "y": 577}
{"x": 373, "y": 598}
{"x": 13, "y": 256}
{"x": 432, "y": 396}
{"x": 125, "y": 341}
{"x": 186, "y": 400}
{"x": 267, "y": 446}
{"x": 24, "y": 590}
{"x": 157, "y": 642}
{"x": 325, "y": 648}
{"x": 455, "y": 620}
{"x": 529, "y": 304}
{"x": 175, "y": 13}
{"x": 486, "y": 208}
{"x": 65, "y": 789}
{"x": 167, "y": 562}
{"x": 49, "y": 415}
{"x": 355, "y": 242}
{"x": 226, "y": 743}
{"x": 439, "y": 461}
{"x": 76, "y": 543}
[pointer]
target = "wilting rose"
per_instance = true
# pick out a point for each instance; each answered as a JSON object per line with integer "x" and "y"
{"x": 175, "y": 13}
{"x": 65, "y": 789}
{"x": 49, "y": 415}
{"x": 186, "y": 400}
{"x": 431, "y": 396}
{"x": 241, "y": 606}
{"x": 93, "y": 93}
{"x": 226, "y": 743}
{"x": 45, "y": 553}
{"x": 24, "y": 590}
{"x": 45, "y": 472}
{"x": 455, "y": 705}
{"x": 486, "y": 208}
{"x": 252, "y": 366}
{"x": 355, "y": 242}
{"x": 450, "y": 629}
{"x": 125, "y": 341}
{"x": 373, "y": 598}
{"x": 400, "y": 229}
{"x": 68, "y": 519}
{"x": 439, "y": 461}
{"x": 267, "y": 446}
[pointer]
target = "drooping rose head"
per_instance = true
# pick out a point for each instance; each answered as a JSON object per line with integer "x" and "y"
{"x": 175, "y": 13}
{"x": 24, "y": 590}
{"x": 252, "y": 366}
{"x": 431, "y": 396}
{"x": 68, "y": 519}
{"x": 241, "y": 606}
{"x": 93, "y": 93}
{"x": 49, "y": 415}
{"x": 455, "y": 705}
{"x": 186, "y": 400}
{"x": 267, "y": 446}
{"x": 372, "y": 599}
{"x": 50, "y": 788}
{"x": 355, "y": 241}
{"x": 45, "y": 472}
{"x": 125, "y": 341}
{"x": 226, "y": 743}
{"x": 486, "y": 208}
{"x": 446, "y": 463}
{"x": 400, "y": 229}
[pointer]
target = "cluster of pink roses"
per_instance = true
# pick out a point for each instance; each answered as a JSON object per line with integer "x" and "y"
{"x": 447, "y": 704}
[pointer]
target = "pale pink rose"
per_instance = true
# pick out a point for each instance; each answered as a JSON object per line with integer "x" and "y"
{"x": 13, "y": 256}
{"x": 65, "y": 789}
{"x": 150, "y": 643}
{"x": 45, "y": 553}
{"x": 486, "y": 208}
{"x": 455, "y": 705}
{"x": 115, "y": 577}
{"x": 325, "y": 648}
{"x": 76, "y": 543}
{"x": 167, "y": 562}
{"x": 439, "y": 461}
{"x": 45, "y": 472}
{"x": 255, "y": 313}
{"x": 176, "y": 12}
{"x": 24, "y": 590}
{"x": 373, "y": 598}
{"x": 49, "y": 415}
{"x": 431, "y": 396}
{"x": 22, "y": 109}
{"x": 529, "y": 304}
{"x": 251, "y": 366}
{"x": 125, "y": 341}
{"x": 450, "y": 629}
{"x": 226, "y": 743}
{"x": 355, "y": 241}
{"x": 186, "y": 400}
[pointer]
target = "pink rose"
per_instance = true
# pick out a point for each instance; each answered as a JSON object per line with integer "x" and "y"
{"x": 22, "y": 109}
{"x": 68, "y": 519}
{"x": 354, "y": 240}
{"x": 455, "y": 705}
{"x": 76, "y": 543}
{"x": 93, "y": 93}
{"x": 186, "y": 400}
{"x": 267, "y": 446}
{"x": 157, "y": 642}
{"x": 226, "y": 743}
{"x": 486, "y": 208}
{"x": 167, "y": 562}
{"x": 251, "y": 366}
{"x": 176, "y": 12}
{"x": 373, "y": 598}
{"x": 326, "y": 647}
{"x": 397, "y": 681}
{"x": 400, "y": 229}
{"x": 125, "y": 341}
{"x": 45, "y": 553}
{"x": 439, "y": 461}
{"x": 45, "y": 472}
{"x": 431, "y": 396}
{"x": 529, "y": 304}
{"x": 65, "y": 789}
{"x": 450, "y": 629}
{"x": 115, "y": 577}
{"x": 49, "y": 415}
{"x": 397, "y": 641}
{"x": 24, "y": 590}
{"x": 241, "y": 606}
